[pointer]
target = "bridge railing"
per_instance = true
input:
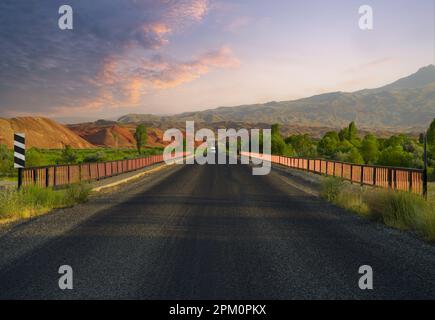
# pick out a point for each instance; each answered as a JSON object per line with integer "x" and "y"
{"x": 395, "y": 178}
{"x": 61, "y": 175}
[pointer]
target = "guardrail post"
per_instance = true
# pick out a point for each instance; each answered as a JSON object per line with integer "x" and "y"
{"x": 390, "y": 178}
{"x": 54, "y": 176}
{"x": 425, "y": 184}
{"x": 409, "y": 181}
{"x": 20, "y": 178}
{"x": 35, "y": 176}
{"x": 47, "y": 177}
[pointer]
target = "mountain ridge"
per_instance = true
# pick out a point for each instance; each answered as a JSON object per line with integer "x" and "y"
{"x": 405, "y": 104}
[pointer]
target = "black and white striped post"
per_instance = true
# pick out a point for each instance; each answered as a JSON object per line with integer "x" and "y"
{"x": 20, "y": 155}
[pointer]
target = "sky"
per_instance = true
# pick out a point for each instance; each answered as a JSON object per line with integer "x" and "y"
{"x": 172, "y": 56}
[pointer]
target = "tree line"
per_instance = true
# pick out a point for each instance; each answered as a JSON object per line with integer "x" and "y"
{"x": 347, "y": 145}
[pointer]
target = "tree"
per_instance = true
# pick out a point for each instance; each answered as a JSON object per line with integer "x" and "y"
{"x": 302, "y": 144}
{"x": 343, "y": 134}
{"x": 141, "y": 137}
{"x": 352, "y": 132}
{"x": 431, "y": 134}
{"x": 395, "y": 156}
{"x": 421, "y": 138}
{"x": 370, "y": 149}
{"x": 68, "y": 156}
{"x": 355, "y": 157}
{"x": 328, "y": 145}
{"x": 6, "y": 161}
{"x": 279, "y": 147}
{"x": 345, "y": 146}
{"x": 34, "y": 158}
{"x": 396, "y": 140}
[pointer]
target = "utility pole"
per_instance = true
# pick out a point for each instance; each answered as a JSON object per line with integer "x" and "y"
{"x": 425, "y": 168}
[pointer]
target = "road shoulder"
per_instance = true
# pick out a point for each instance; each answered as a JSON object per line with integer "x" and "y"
{"x": 18, "y": 239}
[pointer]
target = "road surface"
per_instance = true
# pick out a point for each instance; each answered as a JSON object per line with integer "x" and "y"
{"x": 217, "y": 232}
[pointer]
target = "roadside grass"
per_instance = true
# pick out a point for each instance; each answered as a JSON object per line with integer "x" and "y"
{"x": 33, "y": 201}
{"x": 400, "y": 210}
{"x": 431, "y": 191}
{"x": 8, "y": 179}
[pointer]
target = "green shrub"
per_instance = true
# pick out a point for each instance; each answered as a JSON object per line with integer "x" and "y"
{"x": 69, "y": 155}
{"x": 351, "y": 198}
{"x": 428, "y": 222}
{"x": 98, "y": 156}
{"x": 400, "y": 210}
{"x": 6, "y": 161}
{"x": 77, "y": 193}
{"x": 331, "y": 187}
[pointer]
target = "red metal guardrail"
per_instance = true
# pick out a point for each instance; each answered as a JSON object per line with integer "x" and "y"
{"x": 61, "y": 175}
{"x": 403, "y": 179}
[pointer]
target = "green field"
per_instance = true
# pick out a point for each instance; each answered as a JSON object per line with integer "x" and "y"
{"x": 44, "y": 157}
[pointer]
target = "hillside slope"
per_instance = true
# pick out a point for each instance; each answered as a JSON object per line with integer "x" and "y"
{"x": 405, "y": 105}
{"x": 110, "y": 134}
{"x": 40, "y": 133}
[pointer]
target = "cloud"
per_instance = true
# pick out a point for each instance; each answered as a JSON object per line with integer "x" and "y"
{"x": 173, "y": 74}
{"x": 44, "y": 69}
{"x": 124, "y": 81}
{"x": 187, "y": 9}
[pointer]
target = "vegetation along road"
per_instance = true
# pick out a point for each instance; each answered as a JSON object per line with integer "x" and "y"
{"x": 215, "y": 232}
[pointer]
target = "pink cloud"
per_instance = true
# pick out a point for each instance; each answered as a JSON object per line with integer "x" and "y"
{"x": 172, "y": 74}
{"x": 189, "y": 9}
{"x": 126, "y": 77}
{"x": 124, "y": 81}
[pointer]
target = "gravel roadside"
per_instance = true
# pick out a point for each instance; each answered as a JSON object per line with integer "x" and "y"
{"x": 19, "y": 238}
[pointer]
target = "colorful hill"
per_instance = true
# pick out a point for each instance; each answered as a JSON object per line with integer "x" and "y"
{"x": 40, "y": 133}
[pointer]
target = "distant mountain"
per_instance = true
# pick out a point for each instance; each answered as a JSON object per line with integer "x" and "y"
{"x": 40, "y": 133}
{"x": 136, "y": 118}
{"x": 423, "y": 77}
{"x": 405, "y": 105}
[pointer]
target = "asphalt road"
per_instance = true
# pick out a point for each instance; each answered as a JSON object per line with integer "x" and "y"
{"x": 217, "y": 232}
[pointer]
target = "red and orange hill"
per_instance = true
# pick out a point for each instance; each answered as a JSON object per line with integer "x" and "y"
{"x": 40, "y": 133}
{"x": 47, "y": 134}
{"x": 110, "y": 134}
